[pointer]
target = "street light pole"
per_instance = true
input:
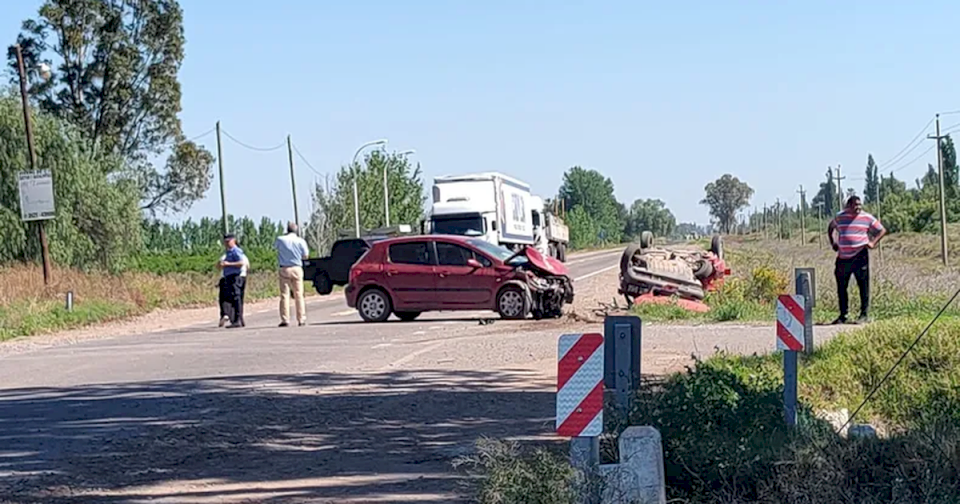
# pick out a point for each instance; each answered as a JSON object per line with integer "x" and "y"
{"x": 45, "y": 252}
{"x": 356, "y": 196}
{"x": 386, "y": 189}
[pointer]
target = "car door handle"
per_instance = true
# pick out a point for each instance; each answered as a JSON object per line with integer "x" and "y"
{"x": 391, "y": 272}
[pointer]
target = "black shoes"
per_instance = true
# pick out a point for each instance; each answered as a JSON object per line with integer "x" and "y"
{"x": 862, "y": 319}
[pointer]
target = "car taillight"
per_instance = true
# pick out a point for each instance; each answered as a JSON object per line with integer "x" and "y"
{"x": 354, "y": 273}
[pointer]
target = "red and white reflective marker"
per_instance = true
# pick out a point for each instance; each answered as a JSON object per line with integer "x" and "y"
{"x": 790, "y": 322}
{"x": 580, "y": 385}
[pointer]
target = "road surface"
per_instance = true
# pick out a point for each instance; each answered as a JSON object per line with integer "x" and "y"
{"x": 337, "y": 411}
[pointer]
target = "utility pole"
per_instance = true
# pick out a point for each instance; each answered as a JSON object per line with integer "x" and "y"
{"x": 293, "y": 185}
{"x": 44, "y": 249}
{"x": 223, "y": 197}
{"x": 803, "y": 228}
{"x": 877, "y": 196}
{"x": 820, "y": 224}
{"x": 779, "y": 223}
{"x": 763, "y": 220}
{"x": 943, "y": 205}
{"x": 839, "y": 188}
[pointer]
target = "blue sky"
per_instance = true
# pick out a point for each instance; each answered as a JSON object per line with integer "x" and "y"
{"x": 662, "y": 97}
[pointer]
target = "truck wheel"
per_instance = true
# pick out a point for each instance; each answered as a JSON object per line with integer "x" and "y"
{"x": 322, "y": 284}
{"x": 646, "y": 239}
{"x": 374, "y": 305}
{"x": 562, "y": 252}
{"x": 407, "y": 316}
{"x": 512, "y": 303}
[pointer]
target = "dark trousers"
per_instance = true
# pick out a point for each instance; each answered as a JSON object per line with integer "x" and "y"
{"x": 232, "y": 292}
{"x": 859, "y": 267}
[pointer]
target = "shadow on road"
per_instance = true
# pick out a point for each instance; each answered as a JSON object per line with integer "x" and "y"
{"x": 266, "y": 438}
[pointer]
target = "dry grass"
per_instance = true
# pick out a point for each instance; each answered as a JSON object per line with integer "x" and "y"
{"x": 28, "y": 307}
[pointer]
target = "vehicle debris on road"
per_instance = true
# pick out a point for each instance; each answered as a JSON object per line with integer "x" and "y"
{"x": 651, "y": 274}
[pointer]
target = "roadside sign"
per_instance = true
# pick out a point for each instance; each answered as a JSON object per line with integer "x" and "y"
{"x": 580, "y": 366}
{"x": 36, "y": 195}
{"x": 790, "y": 321}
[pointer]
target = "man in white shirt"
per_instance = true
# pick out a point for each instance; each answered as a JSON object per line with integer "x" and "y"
{"x": 291, "y": 251}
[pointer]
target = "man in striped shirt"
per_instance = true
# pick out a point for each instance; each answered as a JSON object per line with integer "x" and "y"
{"x": 857, "y": 232}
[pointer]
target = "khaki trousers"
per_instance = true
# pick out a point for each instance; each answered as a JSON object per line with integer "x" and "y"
{"x": 291, "y": 280}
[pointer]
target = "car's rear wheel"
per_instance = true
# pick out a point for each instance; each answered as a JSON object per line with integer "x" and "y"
{"x": 716, "y": 246}
{"x": 562, "y": 252}
{"x": 646, "y": 239}
{"x": 628, "y": 254}
{"x": 512, "y": 303}
{"x": 374, "y": 305}
{"x": 407, "y": 316}
{"x": 322, "y": 284}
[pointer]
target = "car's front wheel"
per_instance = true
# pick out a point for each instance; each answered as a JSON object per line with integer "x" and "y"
{"x": 322, "y": 284}
{"x": 512, "y": 303}
{"x": 374, "y": 305}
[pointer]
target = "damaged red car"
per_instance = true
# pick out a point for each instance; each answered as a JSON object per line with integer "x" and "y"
{"x": 410, "y": 275}
{"x": 651, "y": 274}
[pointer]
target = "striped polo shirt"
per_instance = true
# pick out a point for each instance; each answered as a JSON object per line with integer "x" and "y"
{"x": 854, "y": 232}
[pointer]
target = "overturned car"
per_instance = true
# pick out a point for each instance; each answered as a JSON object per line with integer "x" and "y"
{"x": 654, "y": 274}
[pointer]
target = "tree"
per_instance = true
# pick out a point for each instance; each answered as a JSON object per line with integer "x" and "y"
{"x": 584, "y": 231}
{"x": 333, "y": 211}
{"x": 950, "y": 171}
{"x": 594, "y": 193}
{"x": 726, "y": 196}
{"x": 116, "y": 80}
{"x": 871, "y": 185}
{"x": 649, "y": 215}
{"x": 97, "y": 219}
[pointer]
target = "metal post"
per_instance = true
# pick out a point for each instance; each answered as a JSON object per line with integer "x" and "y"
{"x": 622, "y": 336}
{"x": 585, "y": 457}
{"x": 44, "y": 248}
{"x": 790, "y": 387}
{"x": 356, "y": 206}
{"x": 69, "y": 303}
{"x": 223, "y": 192}
{"x": 943, "y": 204}
{"x": 805, "y": 279}
{"x": 293, "y": 185}
{"x": 386, "y": 197}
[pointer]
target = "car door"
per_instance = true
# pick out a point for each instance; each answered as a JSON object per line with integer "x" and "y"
{"x": 411, "y": 275}
{"x": 461, "y": 286}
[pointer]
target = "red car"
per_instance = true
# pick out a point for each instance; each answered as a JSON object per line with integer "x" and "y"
{"x": 409, "y": 275}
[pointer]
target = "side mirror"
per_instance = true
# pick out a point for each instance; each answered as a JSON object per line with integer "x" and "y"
{"x": 473, "y": 263}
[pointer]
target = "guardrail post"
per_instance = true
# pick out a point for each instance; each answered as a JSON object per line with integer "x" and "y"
{"x": 791, "y": 320}
{"x": 806, "y": 282}
{"x": 622, "y": 337}
{"x": 580, "y": 373}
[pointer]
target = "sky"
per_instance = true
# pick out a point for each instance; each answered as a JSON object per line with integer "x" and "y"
{"x": 661, "y": 97}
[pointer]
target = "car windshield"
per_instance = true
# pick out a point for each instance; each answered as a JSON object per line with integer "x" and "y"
{"x": 501, "y": 253}
{"x": 463, "y": 226}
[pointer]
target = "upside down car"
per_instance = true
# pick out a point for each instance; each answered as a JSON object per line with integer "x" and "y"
{"x": 410, "y": 275}
{"x": 653, "y": 274}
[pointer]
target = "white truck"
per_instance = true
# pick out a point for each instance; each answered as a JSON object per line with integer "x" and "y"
{"x": 497, "y": 208}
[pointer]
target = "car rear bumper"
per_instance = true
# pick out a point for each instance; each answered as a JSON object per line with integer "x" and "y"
{"x": 350, "y": 292}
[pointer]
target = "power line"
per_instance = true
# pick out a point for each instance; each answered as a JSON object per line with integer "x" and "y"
{"x": 201, "y": 135}
{"x": 262, "y": 149}
{"x": 914, "y": 160}
{"x": 302, "y": 158}
{"x": 903, "y": 152}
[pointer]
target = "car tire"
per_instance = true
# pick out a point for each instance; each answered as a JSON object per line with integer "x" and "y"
{"x": 512, "y": 303}
{"x": 407, "y": 316}
{"x": 704, "y": 269}
{"x": 562, "y": 252}
{"x": 716, "y": 246}
{"x": 646, "y": 239}
{"x": 374, "y": 305}
{"x": 628, "y": 254}
{"x": 322, "y": 284}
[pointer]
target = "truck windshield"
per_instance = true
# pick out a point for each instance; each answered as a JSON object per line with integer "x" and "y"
{"x": 471, "y": 225}
{"x": 501, "y": 253}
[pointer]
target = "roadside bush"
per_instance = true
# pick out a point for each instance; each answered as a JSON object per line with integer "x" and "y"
{"x": 261, "y": 259}
{"x": 509, "y": 475}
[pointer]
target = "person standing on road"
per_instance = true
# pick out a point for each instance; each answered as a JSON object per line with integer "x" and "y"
{"x": 224, "y": 294}
{"x": 854, "y": 227}
{"x": 232, "y": 283}
{"x": 291, "y": 251}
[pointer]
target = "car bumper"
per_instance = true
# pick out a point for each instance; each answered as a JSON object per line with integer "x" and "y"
{"x": 350, "y": 292}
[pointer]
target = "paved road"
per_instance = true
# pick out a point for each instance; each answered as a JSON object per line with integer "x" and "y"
{"x": 339, "y": 410}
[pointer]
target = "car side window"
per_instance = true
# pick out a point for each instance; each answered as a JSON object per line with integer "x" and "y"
{"x": 483, "y": 260}
{"x": 410, "y": 253}
{"x": 449, "y": 254}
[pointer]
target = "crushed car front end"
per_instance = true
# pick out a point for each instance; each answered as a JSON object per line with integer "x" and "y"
{"x": 548, "y": 283}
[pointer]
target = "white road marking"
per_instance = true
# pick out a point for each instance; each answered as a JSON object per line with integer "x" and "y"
{"x": 409, "y": 357}
{"x": 418, "y": 333}
{"x": 593, "y": 257}
{"x": 343, "y": 313}
{"x": 588, "y": 275}
{"x": 381, "y": 345}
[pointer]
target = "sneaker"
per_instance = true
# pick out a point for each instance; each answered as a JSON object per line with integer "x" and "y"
{"x": 839, "y": 320}
{"x": 863, "y": 319}
{"x": 223, "y": 320}
{"x": 234, "y": 325}
{"x": 301, "y": 324}
{"x": 283, "y": 324}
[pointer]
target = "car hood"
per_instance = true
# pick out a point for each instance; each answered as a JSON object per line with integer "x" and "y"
{"x": 546, "y": 265}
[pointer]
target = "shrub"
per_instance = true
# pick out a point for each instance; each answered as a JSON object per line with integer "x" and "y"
{"x": 508, "y": 475}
